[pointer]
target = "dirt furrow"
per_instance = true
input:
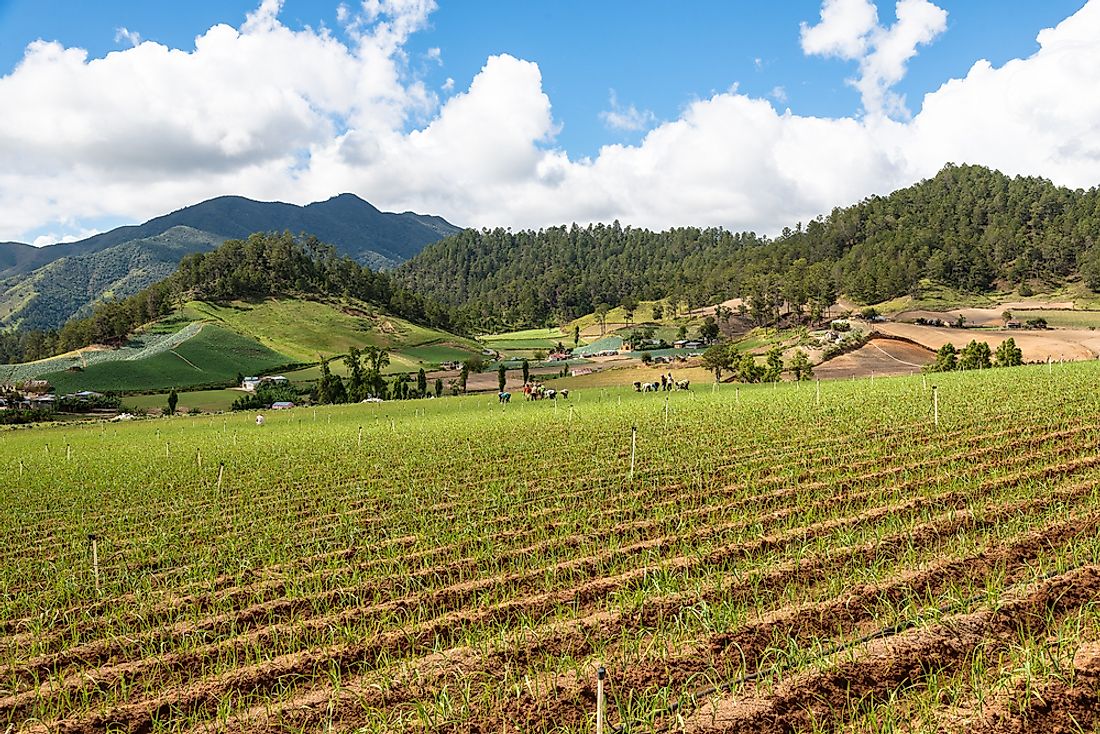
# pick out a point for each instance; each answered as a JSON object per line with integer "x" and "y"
{"x": 817, "y": 699}
{"x": 575, "y": 638}
{"x": 456, "y": 596}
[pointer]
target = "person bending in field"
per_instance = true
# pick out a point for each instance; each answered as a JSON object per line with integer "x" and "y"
{"x": 259, "y": 420}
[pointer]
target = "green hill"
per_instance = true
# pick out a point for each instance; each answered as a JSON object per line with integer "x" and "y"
{"x": 212, "y": 357}
{"x": 206, "y": 344}
{"x": 305, "y": 330}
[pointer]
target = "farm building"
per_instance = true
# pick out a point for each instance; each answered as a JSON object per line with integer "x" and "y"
{"x": 282, "y": 405}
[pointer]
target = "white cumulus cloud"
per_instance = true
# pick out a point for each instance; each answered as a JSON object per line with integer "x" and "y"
{"x": 299, "y": 115}
{"x": 125, "y": 35}
{"x": 625, "y": 118}
{"x": 850, "y": 29}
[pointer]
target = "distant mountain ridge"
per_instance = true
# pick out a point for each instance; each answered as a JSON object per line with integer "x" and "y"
{"x": 43, "y": 287}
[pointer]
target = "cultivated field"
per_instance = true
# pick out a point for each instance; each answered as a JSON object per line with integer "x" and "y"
{"x": 782, "y": 559}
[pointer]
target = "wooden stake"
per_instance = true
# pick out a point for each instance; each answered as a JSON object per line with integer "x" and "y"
{"x": 633, "y": 444}
{"x": 666, "y": 410}
{"x": 166, "y": 449}
{"x": 360, "y": 437}
{"x": 68, "y": 452}
{"x": 818, "y": 398}
{"x": 221, "y": 472}
{"x": 936, "y": 404}
{"x": 95, "y": 561}
{"x": 601, "y": 673}
{"x": 20, "y": 467}
{"x": 198, "y": 458}
{"x": 924, "y": 381}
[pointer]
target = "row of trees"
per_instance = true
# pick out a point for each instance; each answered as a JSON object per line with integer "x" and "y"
{"x": 264, "y": 265}
{"x": 976, "y": 356}
{"x": 743, "y": 366}
{"x": 365, "y": 380}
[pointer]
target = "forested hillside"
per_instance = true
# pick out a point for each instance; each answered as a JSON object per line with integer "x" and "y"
{"x": 264, "y": 265}
{"x": 503, "y": 278}
{"x": 968, "y": 228}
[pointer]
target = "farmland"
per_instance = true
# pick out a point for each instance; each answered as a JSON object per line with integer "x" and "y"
{"x": 790, "y": 557}
{"x": 212, "y": 356}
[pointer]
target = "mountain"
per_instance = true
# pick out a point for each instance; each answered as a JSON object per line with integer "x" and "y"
{"x": 969, "y": 229}
{"x": 43, "y": 287}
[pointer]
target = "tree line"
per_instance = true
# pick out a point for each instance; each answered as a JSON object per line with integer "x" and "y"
{"x": 976, "y": 356}
{"x": 264, "y": 265}
{"x": 968, "y": 228}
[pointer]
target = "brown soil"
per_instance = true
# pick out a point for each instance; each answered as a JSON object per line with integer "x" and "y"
{"x": 881, "y": 357}
{"x": 1037, "y": 346}
{"x": 581, "y": 580}
{"x": 575, "y": 638}
{"x": 1070, "y": 703}
{"x": 815, "y": 699}
{"x": 276, "y": 608}
{"x": 409, "y": 640}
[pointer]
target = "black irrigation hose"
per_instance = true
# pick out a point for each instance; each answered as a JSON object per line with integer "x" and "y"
{"x": 828, "y": 652}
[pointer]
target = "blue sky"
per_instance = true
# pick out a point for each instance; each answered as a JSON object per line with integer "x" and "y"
{"x": 519, "y": 102}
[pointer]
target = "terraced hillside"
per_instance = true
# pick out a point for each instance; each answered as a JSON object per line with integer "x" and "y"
{"x": 780, "y": 558}
{"x": 206, "y": 344}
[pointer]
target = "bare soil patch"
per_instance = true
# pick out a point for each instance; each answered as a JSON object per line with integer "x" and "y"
{"x": 1037, "y": 346}
{"x": 882, "y": 357}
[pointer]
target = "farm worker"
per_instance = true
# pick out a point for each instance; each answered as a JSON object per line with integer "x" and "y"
{"x": 662, "y": 382}
{"x": 259, "y": 420}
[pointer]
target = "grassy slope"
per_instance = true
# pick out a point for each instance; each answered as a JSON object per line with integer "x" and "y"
{"x": 213, "y": 357}
{"x": 254, "y": 338}
{"x": 205, "y": 400}
{"x": 307, "y": 330}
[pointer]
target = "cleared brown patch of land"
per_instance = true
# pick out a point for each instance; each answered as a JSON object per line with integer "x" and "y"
{"x": 1037, "y": 346}
{"x": 883, "y": 357}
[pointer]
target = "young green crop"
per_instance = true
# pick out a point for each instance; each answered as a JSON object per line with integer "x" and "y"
{"x": 465, "y": 565}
